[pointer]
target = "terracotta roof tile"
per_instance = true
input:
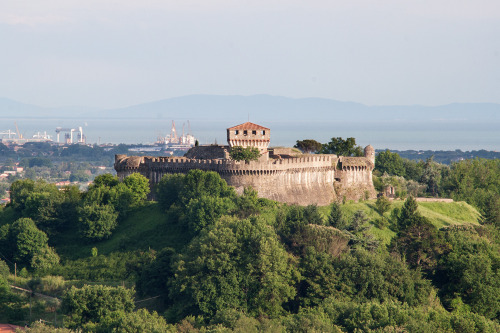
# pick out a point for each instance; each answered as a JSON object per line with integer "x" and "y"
{"x": 248, "y": 126}
{"x": 10, "y": 328}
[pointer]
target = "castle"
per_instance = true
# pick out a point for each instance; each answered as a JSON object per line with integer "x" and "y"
{"x": 280, "y": 174}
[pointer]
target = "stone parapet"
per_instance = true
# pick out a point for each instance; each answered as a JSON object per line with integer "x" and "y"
{"x": 304, "y": 180}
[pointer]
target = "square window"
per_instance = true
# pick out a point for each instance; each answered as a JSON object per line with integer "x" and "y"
{"x": 236, "y": 132}
{"x": 263, "y": 132}
{"x": 245, "y": 132}
{"x": 254, "y": 132}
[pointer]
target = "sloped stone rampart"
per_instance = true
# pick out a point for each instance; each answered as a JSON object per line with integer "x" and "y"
{"x": 303, "y": 180}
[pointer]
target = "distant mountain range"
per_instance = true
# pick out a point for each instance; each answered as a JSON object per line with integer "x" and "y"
{"x": 259, "y": 108}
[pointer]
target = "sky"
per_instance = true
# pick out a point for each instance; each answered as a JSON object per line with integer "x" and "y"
{"x": 115, "y": 53}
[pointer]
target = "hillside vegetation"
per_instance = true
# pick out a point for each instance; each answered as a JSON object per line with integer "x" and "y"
{"x": 203, "y": 258}
{"x": 148, "y": 227}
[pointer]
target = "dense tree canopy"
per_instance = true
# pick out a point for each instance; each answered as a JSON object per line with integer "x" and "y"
{"x": 91, "y": 305}
{"x": 210, "y": 260}
{"x": 97, "y": 221}
{"x": 342, "y": 147}
{"x": 236, "y": 264}
{"x": 25, "y": 244}
{"x": 246, "y": 154}
{"x": 308, "y": 146}
{"x": 391, "y": 163}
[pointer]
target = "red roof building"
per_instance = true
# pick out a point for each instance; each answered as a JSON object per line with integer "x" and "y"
{"x": 249, "y": 135}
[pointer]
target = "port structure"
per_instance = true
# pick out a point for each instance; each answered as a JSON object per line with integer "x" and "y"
{"x": 68, "y": 137}
{"x": 16, "y": 138}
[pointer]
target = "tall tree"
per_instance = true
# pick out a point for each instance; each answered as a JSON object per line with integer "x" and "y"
{"x": 391, "y": 163}
{"x": 308, "y": 146}
{"x": 139, "y": 185}
{"x": 97, "y": 221}
{"x": 342, "y": 147}
{"x": 382, "y": 205}
{"x": 236, "y": 264}
{"x": 431, "y": 176}
{"x": 407, "y": 214}
{"x": 27, "y": 245}
{"x": 336, "y": 218}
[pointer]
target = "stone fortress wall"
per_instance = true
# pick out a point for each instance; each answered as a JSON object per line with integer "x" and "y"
{"x": 305, "y": 179}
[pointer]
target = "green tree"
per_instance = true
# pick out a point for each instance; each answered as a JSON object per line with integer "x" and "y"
{"x": 121, "y": 197}
{"x": 168, "y": 189}
{"x": 91, "y": 305}
{"x": 357, "y": 230}
{"x": 308, "y": 146}
{"x": 206, "y": 210}
{"x": 391, "y": 163}
{"x": 153, "y": 277}
{"x": 363, "y": 276}
{"x": 408, "y": 213}
{"x": 25, "y": 244}
{"x": 289, "y": 223}
{"x": 319, "y": 279}
{"x": 248, "y": 203}
{"x": 106, "y": 179}
{"x": 419, "y": 243}
{"x": 199, "y": 183}
{"x": 491, "y": 212}
{"x": 27, "y": 240}
{"x": 136, "y": 322}
{"x": 96, "y": 221}
{"x": 44, "y": 259}
{"x": 475, "y": 181}
{"x": 38, "y": 327}
{"x": 431, "y": 176}
{"x": 78, "y": 176}
{"x": 382, "y": 205}
{"x": 336, "y": 218}
{"x": 4, "y": 270}
{"x": 413, "y": 169}
{"x": 471, "y": 271}
{"x": 236, "y": 264}
{"x": 312, "y": 215}
{"x": 341, "y": 147}
{"x": 20, "y": 190}
{"x": 139, "y": 186}
{"x": 247, "y": 154}
{"x": 44, "y": 207}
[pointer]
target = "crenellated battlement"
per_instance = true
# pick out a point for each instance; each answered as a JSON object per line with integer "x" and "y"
{"x": 182, "y": 164}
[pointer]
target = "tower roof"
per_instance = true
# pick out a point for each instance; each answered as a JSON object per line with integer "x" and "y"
{"x": 248, "y": 126}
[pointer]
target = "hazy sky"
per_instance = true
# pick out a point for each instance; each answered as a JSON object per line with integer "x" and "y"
{"x": 108, "y": 53}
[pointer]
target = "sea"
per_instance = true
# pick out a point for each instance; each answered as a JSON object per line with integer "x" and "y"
{"x": 382, "y": 135}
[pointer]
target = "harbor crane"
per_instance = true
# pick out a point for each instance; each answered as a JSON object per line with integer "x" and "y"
{"x": 9, "y": 133}
{"x": 69, "y": 136}
{"x": 19, "y": 135}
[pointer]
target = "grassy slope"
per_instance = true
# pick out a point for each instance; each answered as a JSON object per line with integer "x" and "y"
{"x": 441, "y": 214}
{"x": 146, "y": 227}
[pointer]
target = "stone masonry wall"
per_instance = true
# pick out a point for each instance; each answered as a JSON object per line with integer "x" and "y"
{"x": 305, "y": 180}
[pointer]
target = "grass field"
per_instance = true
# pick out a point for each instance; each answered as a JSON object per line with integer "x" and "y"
{"x": 441, "y": 214}
{"x": 146, "y": 227}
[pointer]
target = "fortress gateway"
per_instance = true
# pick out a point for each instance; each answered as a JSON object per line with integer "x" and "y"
{"x": 280, "y": 174}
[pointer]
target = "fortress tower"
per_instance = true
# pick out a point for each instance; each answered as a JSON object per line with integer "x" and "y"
{"x": 249, "y": 135}
{"x": 370, "y": 154}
